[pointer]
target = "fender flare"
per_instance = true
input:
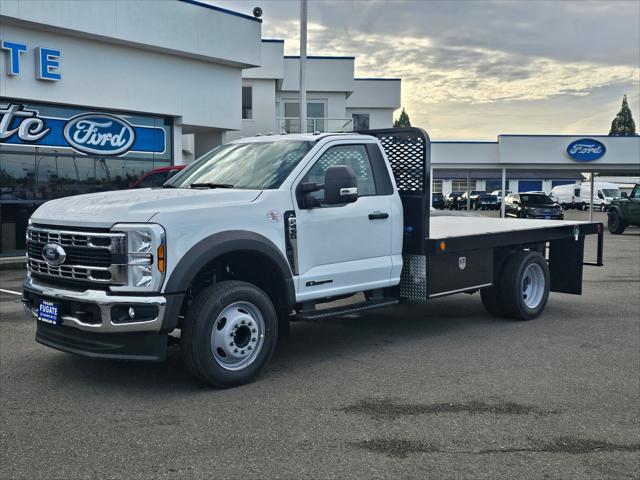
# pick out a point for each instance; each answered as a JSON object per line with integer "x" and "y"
{"x": 221, "y": 243}
{"x": 616, "y": 209}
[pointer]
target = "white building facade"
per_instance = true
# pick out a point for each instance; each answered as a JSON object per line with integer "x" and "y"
{"x": 336, "y": 101}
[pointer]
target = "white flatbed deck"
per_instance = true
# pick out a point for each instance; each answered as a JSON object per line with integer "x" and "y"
{"x": 442, "y": 227}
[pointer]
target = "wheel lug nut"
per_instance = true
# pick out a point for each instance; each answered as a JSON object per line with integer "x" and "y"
{"x": 242, "y": 352}
{"x": 254, "y": 330}
{"x": 231, "y": 344}
{"x": 253, "y": 339}
{"x": 249, "y": 347}
{"x": 235, "y": 351}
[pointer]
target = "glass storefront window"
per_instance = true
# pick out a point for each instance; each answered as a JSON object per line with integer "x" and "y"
{"x": 31, "y": 175}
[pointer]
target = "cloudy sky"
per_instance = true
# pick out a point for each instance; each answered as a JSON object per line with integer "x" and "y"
{"x": 475, "y": 69}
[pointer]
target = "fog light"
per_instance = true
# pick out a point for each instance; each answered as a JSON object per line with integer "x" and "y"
{"x": 132, "y": 312}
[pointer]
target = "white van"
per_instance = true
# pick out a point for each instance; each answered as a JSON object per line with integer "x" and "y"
{"x": 568, "y": 196}
{"x": 603, "y": 194}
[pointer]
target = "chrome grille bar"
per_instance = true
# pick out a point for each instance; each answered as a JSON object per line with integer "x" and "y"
{"x": 93, "y": 257}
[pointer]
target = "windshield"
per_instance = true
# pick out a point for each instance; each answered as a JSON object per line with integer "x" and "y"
{"x": 611, "y": 192}
{"x": 260, "y": 166}
{"x": 536, "y": 200}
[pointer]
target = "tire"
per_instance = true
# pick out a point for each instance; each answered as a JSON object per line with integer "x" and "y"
{"x": 235, "y": 309}
{"x": 615, "y": 224}
{"x": 583, "y": 207}
{"x": 603, "y": 207}
{"x": 524, "y": 286}
{"x": 564, "y": 206}
{"x": 491, "y": 301}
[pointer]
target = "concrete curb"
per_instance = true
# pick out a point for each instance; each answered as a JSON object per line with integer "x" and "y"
{"x": 12, "y": 263}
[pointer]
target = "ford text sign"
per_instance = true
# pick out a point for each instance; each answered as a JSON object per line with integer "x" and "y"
{"x": 586, "y": 150}
{"x": 99, "y": 133}
{"x": 86, "y": 132}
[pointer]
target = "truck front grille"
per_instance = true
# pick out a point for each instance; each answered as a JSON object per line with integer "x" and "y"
{"x": 91, "y": 257}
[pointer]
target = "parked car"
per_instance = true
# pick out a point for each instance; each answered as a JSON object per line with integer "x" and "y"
{"x": 532, "y": 205}
{"x": 625, "y": 211}
{"x": 437, "y": 201}
{"x": 452, "y": 201}
{"x": 156, "y": 177}
{"x": 498, "y": 195}
{"x": 472, "y": 198}
{"x": 485, "y": 201}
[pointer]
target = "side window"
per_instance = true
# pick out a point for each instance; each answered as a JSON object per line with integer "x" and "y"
{"x": 354, "y": 156}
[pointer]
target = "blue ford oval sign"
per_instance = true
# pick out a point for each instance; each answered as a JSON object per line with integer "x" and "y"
{"x": 53, "y": 254}
{"x": 99, "y": 133}
{"x": 586, "y": 150}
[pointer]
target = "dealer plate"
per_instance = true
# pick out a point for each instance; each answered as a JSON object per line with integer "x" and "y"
{"x": 48, "y": 312}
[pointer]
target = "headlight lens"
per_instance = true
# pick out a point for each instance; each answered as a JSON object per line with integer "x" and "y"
{"x": 145, "y": 256}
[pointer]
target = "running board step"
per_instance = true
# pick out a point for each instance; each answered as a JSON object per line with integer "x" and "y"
{"x": 344, "y": 310}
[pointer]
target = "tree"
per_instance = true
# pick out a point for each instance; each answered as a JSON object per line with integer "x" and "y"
{"x": 623, "y": 124}
{"x": 402, "y": 121}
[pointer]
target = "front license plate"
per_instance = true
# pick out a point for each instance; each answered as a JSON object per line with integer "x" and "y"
{"x": 547, "y": 217}
{"x": 48, "y": 312}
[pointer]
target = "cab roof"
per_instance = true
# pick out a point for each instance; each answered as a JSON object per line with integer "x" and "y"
{"x": 308, "y": 137}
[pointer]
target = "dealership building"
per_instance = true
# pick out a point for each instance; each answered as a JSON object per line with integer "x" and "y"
{"x": 94, "y": 94}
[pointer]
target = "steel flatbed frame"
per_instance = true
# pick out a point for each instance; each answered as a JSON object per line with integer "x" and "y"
{"x": 444, "y": 255}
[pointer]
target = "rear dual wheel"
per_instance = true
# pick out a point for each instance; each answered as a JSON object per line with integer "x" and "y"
{"x": 522, "y": 289}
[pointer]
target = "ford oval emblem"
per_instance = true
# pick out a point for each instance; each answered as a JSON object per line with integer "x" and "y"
{"x": 99, "y": 133}
{"x": 586, "y": 150}
{"x": 53, "y": 254}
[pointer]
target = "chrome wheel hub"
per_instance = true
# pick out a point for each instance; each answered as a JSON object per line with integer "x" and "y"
{"x": 237, "y": 336}
{"x": 533, "y": 285}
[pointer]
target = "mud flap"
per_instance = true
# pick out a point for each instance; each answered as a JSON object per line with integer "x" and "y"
{"x": 566, "y": 258}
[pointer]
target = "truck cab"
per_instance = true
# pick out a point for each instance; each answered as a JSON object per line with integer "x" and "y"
{"x": 264, "y": 231}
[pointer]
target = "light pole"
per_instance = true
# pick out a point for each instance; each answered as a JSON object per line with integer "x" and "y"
{"x": 303, "y": 66}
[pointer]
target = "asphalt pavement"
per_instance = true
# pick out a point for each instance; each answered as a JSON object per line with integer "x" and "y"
{"x": 433, "y": 390}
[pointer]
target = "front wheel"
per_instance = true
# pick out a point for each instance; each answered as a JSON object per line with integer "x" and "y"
{"x": 524, "y": 286}
{"x": 229, "y": 333}
{"x": 615, "y": 223}
{"x": 603, "y": 207}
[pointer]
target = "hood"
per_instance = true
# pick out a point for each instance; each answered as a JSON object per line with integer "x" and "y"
{"x": 103, "y": 209}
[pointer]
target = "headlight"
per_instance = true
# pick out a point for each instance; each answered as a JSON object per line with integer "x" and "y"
{"x": 145, "y": 252}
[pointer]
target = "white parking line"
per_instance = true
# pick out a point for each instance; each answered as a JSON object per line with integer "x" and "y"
{"x": 10, "y": 292}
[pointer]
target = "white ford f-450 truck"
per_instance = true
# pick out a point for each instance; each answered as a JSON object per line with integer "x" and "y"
{"x": 264, "y": 231}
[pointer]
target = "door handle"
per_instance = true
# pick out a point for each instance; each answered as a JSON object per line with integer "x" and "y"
{"x": 378, "y": 216}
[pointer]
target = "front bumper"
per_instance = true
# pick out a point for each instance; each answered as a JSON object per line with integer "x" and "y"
{"x": 95, "y": 310}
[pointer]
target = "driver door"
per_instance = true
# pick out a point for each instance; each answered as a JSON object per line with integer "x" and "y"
{"x": 345, "y": 248}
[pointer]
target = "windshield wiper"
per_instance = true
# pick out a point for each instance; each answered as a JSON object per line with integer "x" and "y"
{"x": 169, "y": 186}
{"x": 211, "y": 185}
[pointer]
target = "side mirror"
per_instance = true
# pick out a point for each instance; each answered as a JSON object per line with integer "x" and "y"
{"x": 340, "y": 185}
{"x": 516, "y": 202}
{"x": 172, "y": 173}
{"x": 624, "y": 195}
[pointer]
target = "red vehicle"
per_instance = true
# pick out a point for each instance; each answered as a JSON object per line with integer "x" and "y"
{"x": 156, "y": 177}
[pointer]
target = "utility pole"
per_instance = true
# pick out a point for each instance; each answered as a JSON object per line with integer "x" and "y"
{"x": 303, "y": 66}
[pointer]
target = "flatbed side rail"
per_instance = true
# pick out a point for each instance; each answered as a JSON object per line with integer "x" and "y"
{"x": 433, "y": 246}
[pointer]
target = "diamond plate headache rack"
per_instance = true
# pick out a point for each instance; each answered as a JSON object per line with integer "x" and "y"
{"x": 409, "y": 153}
